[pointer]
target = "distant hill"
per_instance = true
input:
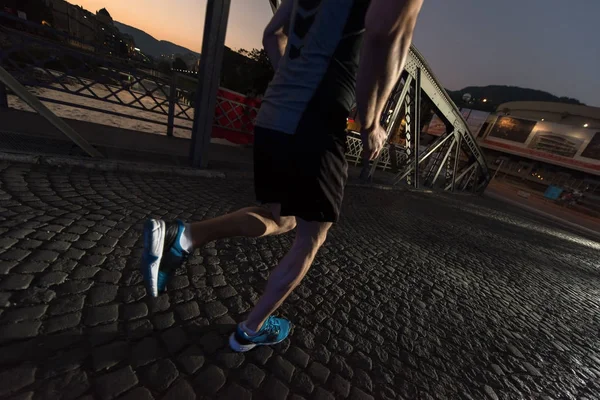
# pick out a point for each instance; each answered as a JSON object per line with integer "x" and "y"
{"x": 151, "y": 46}
{"x": 496, "y": 95}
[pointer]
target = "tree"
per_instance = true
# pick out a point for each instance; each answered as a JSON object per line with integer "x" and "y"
{"x": 260, "y": 70}
{"x": 179, "y": 64}
{"x": 164, "y": 67}
{"x": 257, "y": 71}
{"x": 104, "y": 12}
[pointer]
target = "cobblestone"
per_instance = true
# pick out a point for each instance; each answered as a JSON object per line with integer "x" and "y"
{"x": 210, "y": 380}
{"x": 20, "y": 330}
{"x": 163, "y": 321}
{"x": 71, "y": 385}
{"x": 102, "y": 294}
{"x": 275, "y": 389}
{"x": 16, "y": 282}
{"x": 52, "y": 278}
{"x": 102, "y": 315}
{"x": 28, "y": 267}
{"x": 319, "y": 372}
{"x": 110, "y": 385}
{"x": 75, "y": 286}
{"x": 104, "y": 357}
{"x": 215, "y": 309}
{"x": 34, "y": 295}
{"x": 139, "y": 393}
{"x": 134, "y": 311}
{"x": 182, "y": 390}
{"x": 24, "y": 313}
{"x": 160, "y": 375}
{"x": 415, "y": 295}
{"x": 62, "y": 322}
{"x": 192, "y": 359}
{"x": 16, "y": 379}
{"x": 187, "y": 311}
{"x": 139, "y": 328}
{"x": 175, "y": 339}
{"x": 282, "y": 368}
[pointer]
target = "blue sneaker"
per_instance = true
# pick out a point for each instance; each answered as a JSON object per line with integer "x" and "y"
{"x": 273, "y": 331}
{"x": 162, "y": 254}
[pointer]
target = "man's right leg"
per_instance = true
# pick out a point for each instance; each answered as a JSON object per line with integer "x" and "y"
{"x": 168, "y": 244}
{"x": 260, "y": 327}
{"x": 247, "y": 222}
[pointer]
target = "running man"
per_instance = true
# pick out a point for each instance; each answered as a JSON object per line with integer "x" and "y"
{"x": 299, "y": 165}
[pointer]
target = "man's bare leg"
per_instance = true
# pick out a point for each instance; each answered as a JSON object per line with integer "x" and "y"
{"x": 168, "y": 244}
{"x": 310, "y": 236}
{"x": 247, "y": 222}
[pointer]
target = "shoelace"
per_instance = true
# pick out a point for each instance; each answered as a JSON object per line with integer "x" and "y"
{"x": 271, "y": 324}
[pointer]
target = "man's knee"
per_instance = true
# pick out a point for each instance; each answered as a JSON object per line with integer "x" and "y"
{"x": 311, "y": 235}
{"x": 285, "y": 223}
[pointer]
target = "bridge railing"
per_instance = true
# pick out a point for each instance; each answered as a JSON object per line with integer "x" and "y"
{"x": 137, "y": 95}
{"x": 68, "y": 78}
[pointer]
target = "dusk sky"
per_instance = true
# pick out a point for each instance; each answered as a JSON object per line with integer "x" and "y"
{"x": 549, "y": 45}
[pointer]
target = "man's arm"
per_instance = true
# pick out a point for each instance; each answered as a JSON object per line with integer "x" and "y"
{"x": 275, "y": 34}
{"x": 389, "y": 28}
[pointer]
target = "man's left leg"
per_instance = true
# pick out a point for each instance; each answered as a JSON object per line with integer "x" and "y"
{"x": 261, "y": 327}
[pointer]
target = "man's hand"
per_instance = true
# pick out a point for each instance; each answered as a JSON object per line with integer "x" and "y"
{"x": 275, "y": 35}
{"x": 373, "y": 141}
{"x": 389, "y": 26}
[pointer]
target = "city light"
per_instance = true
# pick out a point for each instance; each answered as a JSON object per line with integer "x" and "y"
{"x": 485, "y": 100}
{"x": 543, "y": 120}
{"x": 585, "y": 125}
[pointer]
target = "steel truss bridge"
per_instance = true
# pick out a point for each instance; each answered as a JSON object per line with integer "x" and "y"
{"x": 452, "y": 162}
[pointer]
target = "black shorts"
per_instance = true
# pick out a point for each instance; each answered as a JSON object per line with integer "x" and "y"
{"x": 306, "y": 172}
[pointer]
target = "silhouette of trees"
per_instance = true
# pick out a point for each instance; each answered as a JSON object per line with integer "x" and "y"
{"x": 246, "y": 72}
{"x": 104, "y": 12}
{"x": 164, "y": 67}
{"x": 179, "y": 64}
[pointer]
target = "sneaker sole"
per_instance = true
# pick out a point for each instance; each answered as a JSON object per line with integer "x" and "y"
{"x": 154, "y": 242}
{"x": 242, "y": 348}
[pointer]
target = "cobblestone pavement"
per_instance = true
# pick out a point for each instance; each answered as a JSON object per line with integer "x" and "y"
{"x": 415, "y": 296}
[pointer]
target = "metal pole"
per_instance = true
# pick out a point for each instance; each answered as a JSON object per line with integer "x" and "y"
{"x": 394, "y": 118}
{"x": 498, "y": 169}
{"x": 172, "y": 101}
{"x": 3, "y": 96}
{"x": 417, "y": 125}
{"x": 403, "y": 174}
{"x": 456, "y": 157}
{"x": 38, "y": 106}
{"x": 466, "y": 171}
{"x": 213, "y": 45}
{"x": 274, "y": 5}
{"x": 474, "y": 187}
{"x": 445, "y": 159}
